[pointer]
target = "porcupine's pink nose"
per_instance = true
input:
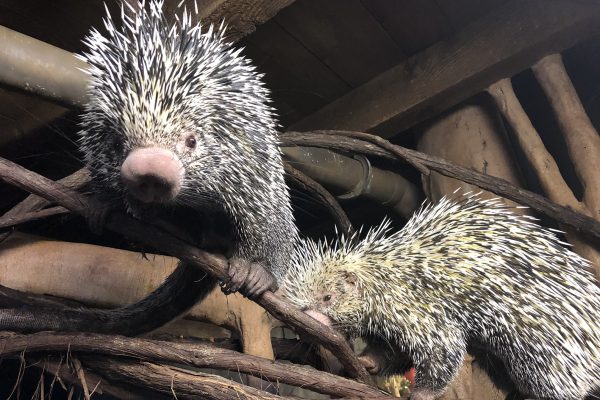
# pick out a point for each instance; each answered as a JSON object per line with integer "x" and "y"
{"x": 152, "y": 174}
{"x": 322, "y": 318}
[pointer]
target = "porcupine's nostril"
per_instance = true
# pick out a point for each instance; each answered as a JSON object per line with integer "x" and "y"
{"x": 152, "y": 189}
{"x": 152, "y": 174}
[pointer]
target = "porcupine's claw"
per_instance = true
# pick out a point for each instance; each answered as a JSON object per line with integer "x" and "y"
{"x": 250, "y": 278}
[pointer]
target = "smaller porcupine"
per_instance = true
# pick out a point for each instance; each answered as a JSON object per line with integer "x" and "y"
{"x": 178, "y": 119}
{"x": 461, "y": 272}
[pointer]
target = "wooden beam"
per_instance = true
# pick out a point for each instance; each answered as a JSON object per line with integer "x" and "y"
{"x": 498, "y": 45}
{"x": 242, "y": 16}
{"x": 35, "y": 67}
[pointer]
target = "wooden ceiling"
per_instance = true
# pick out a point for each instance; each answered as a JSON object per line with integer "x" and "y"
{"x": 313, "y": 51}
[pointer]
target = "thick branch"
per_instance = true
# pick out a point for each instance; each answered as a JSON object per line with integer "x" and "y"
{"x": 185, "y": 354}
{"x": 310, "y": 185}
{"x": 179, "y": 383}
{"x": 541, "y": 160}
{"x": 214, "y": 264}
{"x": 347, "y": 141}
{"x": 60, "y": 370}
{"x": 583, "y": 141}
{"x": 16, "y": 219}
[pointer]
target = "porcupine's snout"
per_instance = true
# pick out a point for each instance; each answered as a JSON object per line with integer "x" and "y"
{"x": 319, "y": 316}
{"x": 152, "y": 174}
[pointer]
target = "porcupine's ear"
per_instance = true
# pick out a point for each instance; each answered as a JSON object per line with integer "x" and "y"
{"x": 350, "y": 278}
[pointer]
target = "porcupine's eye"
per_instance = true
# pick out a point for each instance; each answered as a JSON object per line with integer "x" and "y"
{"x": 327, "y": 298}
{"x": 190, "y": 142}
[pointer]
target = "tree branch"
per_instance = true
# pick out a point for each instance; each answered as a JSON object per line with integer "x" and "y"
{"x": 178, "y": 383}
{"x": 310, "y": 185}
{"x": 583, "y": 141}
{"x": 16, "y": 219}
{"x": 541, "y": 160}
{"x": 58, "y": 369}
{"x": 215, "y": 265}
{"x": 75, "y": 181}
{"x": 347, "y": 141}
{"x": 185, "y": 354}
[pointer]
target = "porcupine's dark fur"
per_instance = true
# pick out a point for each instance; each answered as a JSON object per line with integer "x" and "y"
{"x": 464, "y": 272}
{"x": 155, "y": 84}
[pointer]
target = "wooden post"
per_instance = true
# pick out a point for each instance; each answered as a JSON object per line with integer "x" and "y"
{"x": 540, "y": 159}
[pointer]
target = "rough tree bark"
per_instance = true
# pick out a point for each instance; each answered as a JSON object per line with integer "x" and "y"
{"x": 196, "y": 355}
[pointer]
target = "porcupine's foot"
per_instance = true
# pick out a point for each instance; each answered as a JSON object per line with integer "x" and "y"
{"x": 249, "y": 278}
{"x": 380, "y": 357}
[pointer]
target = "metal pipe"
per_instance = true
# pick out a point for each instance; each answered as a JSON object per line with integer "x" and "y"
{"x": 30, "y": 65}
{"x": 38, "y": 68}
{"x": 348, "y": 177}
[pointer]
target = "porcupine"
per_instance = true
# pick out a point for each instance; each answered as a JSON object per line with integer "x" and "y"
{"x": 178, "y": 117}
{"x": 465, "y": 272}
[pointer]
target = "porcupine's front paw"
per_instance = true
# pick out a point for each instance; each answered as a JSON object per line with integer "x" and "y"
{"x": 249, "y": 278}
{"x": 371, "y": 362}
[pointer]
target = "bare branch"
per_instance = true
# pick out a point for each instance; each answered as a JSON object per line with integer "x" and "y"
{"x": 186, "y": 354}
{"x": 581, "y": 148}
{"x": 59, "y": 370}
{"x": 215, "y": 265}
{"x": 541, "y": 160}
{"x": 178, "y": 383}
{"x": 315, "y": 188}
{"x": 6, "y": 221}
{"x": 75, "y": 181}
{"x": 339, "y": 140}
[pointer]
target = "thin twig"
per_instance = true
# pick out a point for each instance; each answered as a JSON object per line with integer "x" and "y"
{"x": 81, "y": 377}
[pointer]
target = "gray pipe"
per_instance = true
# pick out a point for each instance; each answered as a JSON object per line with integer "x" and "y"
{"x": 38, "y": 68}
{"x": 30, "y": 65}
{"x": 348, "y": 177}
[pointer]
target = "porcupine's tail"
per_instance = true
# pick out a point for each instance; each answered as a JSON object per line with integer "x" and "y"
{"x": 185, "y": 287}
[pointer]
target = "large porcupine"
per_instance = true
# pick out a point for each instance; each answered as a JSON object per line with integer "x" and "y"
{"x": 463, "y": 272}
{"x": 177, "y": 117}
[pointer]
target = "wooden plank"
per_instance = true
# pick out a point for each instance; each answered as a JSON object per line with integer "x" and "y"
{"x": 301, "y": 77}
{"x": 462, "y": 12}
{"x": 289, "y": 93}
{"x": 498, "y": 45}
{"x": 242, "y": 16}
{"x": 413, "y": 24}
{"x": 344, "y": 35}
